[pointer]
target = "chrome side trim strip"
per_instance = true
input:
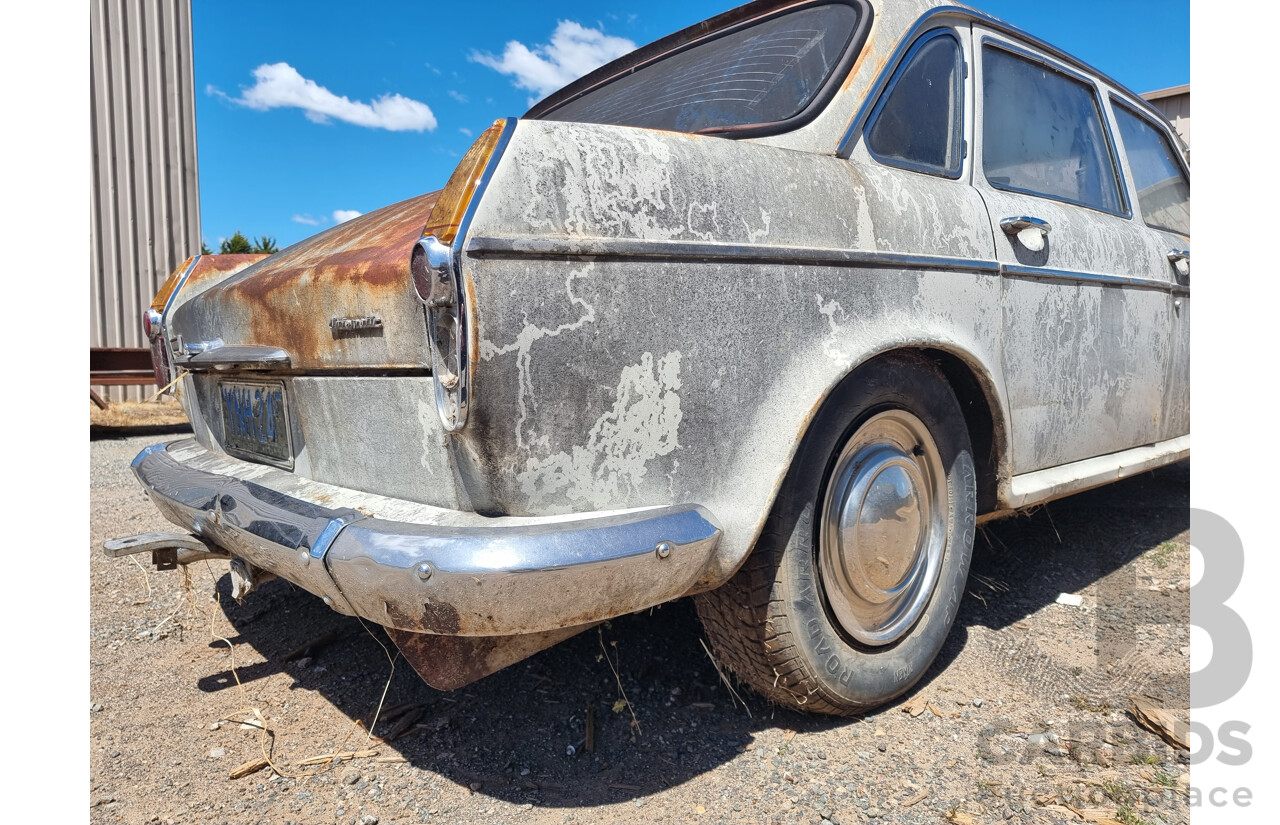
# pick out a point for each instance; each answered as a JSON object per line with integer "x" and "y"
{"x": 696, "y": 251}
{"x": 1044, "y": 485}
{"x": 701, "y": 251}
{"x": 1043, "y": 273}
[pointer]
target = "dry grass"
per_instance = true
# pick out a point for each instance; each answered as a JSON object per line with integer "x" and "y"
{"x": 166, "y": 412}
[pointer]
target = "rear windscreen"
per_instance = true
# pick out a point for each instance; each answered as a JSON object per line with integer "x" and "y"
{"x": 763, "y": 73}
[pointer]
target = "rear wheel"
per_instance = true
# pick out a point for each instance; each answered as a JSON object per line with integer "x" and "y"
{"x": 853, "y": 586}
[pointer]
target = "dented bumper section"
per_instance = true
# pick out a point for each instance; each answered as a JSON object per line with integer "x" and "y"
{"x": 426, "y": 569}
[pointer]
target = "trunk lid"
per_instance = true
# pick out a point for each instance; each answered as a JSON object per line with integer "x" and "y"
{"x": 341, "y": 299}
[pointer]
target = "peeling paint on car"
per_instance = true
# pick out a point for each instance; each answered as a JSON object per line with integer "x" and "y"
{"x": 643, "y": 424}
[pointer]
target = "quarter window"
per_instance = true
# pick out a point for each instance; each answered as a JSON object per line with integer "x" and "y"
{"x": 1164, "y": 193}
{"x": 919, "y": 124}
{"x": 1043, "y": 133}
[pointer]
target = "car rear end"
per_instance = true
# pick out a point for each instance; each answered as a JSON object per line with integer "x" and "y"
{"x": 324, "y": 385}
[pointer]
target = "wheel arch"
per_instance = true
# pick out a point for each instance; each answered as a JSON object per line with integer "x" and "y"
{"x": 976, "y": 391}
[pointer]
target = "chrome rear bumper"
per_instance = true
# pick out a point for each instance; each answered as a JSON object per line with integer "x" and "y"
{"x": 425, "y": 569}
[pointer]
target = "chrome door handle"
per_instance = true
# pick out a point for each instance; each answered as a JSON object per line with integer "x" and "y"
{"x": 1181, "y": 260}
{"x": 1030, "y": 232}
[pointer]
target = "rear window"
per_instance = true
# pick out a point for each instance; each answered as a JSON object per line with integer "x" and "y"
{"x": 766, "y": 73}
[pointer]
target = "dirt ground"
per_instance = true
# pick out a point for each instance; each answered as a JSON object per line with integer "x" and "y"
{"x": 124, "y": 416}
{"x": 1024, "y": 716}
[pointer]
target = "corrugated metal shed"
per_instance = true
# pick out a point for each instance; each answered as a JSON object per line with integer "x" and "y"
{"x": 145, "y": 200}
{"x": 1175, "y": 103}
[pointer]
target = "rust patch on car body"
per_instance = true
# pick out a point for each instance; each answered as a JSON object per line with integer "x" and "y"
{"x": 209, "y": 267}
{"x": 359, "y": 268}
{"x": 451, "y": 662}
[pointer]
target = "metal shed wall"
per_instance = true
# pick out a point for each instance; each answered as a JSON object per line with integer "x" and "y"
{"x": 1175, "y": 104}
{"x": 145, "y": 200}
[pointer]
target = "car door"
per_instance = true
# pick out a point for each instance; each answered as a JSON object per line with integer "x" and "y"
{"x": 1161, "y": 185}
{"x": 1085, "y": 309}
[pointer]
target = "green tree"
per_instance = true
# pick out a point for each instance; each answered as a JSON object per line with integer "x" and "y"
{"x": 237, "y": 244}
{"x": 266, "y": 245}
{"x": 204, "y": 249}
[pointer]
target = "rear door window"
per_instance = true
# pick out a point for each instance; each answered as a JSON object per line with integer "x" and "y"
{"x": 1164, "y": 193}
{"x": 1043, "y": 133}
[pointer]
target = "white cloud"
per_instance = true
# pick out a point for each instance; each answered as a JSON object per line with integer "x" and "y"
{"x": 307, "y": 219}
{"x": 343, "y": 215}
{"x": 574, "y": 50}
{"x": 458, "y": 96}
{"x": 464, "y": 130}
{"x": 280, "y": 85}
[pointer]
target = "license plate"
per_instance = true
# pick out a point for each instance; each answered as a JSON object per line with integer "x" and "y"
{"x": 255, "y": 421}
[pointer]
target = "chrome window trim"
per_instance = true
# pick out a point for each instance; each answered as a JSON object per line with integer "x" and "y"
{"x": 929, "y": 19}
{"x": 1164, "y": 130}
{"x": 1122, "y": 183}
{"x": 896, "y": 77}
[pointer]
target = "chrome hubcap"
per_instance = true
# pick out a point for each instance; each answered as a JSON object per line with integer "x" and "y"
{"x": 883, "y": 528}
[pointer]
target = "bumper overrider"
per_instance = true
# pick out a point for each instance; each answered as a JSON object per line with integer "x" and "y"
{"x": 427, "y": 569}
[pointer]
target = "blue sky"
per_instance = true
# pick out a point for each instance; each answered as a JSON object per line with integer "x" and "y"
{"x": 421, "y": 79}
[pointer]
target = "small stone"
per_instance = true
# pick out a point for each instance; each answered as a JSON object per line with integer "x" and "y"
{"x": 368, "y": 819}
{"x": 882, "y": 747}
{"x": 351, "y": 777}
{"x": 977, "y": 703}
{"x": 1102, "y": 758}
{"x": 215, "y": 726}
{"x": 218, "y": 753}
{"x": 95, "y": 707}
{"x": 305, "y": 662}
{"x": 475, "y": 786}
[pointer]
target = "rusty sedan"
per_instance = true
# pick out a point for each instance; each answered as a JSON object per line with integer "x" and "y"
{"x": 771, "y": 312}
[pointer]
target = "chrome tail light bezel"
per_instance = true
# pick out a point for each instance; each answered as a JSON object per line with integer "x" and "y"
{"x": 437, "y": 280}
{"x": 440, "y": 284}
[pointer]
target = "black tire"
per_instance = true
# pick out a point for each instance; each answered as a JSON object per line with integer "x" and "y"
{"x": 773, "y": 625}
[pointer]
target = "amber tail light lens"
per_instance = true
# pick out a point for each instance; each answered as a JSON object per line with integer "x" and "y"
{"x": 447, "y": 215}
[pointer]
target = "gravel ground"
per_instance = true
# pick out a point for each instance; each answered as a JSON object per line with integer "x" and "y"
{"x": 1024, "y": 720}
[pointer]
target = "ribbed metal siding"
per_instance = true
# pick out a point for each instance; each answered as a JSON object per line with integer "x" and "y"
{"x": 1177, "y": 108}
{"x": 145, "y": 201}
